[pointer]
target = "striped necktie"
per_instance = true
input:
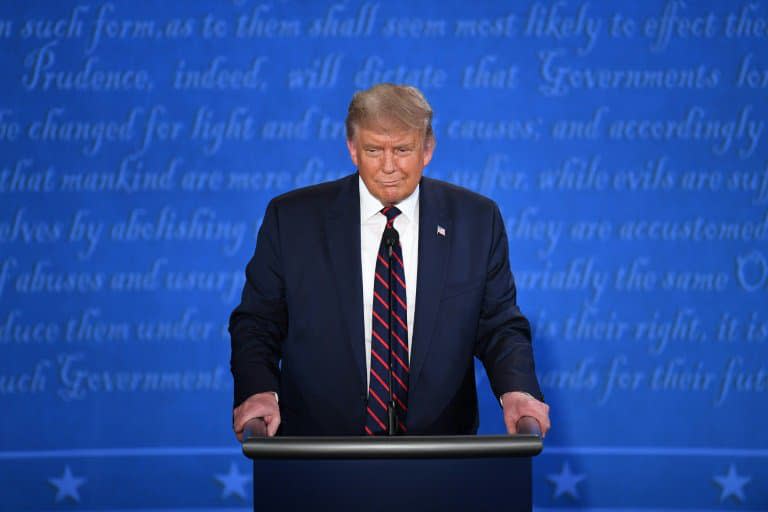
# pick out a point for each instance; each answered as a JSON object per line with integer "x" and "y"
{"x": 388, "y": 297}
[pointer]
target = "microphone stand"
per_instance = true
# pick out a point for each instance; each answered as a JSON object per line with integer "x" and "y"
{"x": 391, "y": 238}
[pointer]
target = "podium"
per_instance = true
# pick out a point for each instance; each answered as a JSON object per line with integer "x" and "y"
{"x": 393, "y": 474}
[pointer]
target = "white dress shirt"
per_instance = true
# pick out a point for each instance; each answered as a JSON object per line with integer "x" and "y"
{"x": 372, "y": 224}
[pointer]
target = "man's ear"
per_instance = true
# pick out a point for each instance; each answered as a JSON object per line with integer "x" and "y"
{"x": 352, "y": 151}
{"x": 429, "y": 149}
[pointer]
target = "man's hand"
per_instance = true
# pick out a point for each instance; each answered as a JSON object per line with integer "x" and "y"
{"x": 517, "y": 404}
{"x": 260, "y": 405}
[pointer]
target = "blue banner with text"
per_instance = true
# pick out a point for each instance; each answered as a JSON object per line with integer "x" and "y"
{"x": 623, "y": 141}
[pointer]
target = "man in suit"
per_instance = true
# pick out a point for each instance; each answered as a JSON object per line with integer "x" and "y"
{"x": 368, "y": 297}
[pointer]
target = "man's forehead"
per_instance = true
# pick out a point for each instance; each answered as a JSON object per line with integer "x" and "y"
{"x": 387, "y": 134}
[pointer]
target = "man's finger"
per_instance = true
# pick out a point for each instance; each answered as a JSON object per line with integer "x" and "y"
{"x": 243, "y": 416}
{"x": 241, "y": 420}
{"x": 511, "y": 422}
{"x": 272, "y": 425}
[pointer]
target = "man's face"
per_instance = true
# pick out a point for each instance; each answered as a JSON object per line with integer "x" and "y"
{"x": 390, "y": 162}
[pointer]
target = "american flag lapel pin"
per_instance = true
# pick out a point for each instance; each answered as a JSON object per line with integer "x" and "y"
{"x": 440, "y": 230}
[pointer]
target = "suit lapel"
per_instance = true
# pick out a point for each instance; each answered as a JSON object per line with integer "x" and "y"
{"x": 343, "y": 246}
{"x": 432, "y": 265}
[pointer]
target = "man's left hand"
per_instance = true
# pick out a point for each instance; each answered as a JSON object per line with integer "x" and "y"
{"x": 517, "y": 404}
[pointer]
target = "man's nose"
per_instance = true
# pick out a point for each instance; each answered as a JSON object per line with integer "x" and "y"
{"x": 389, "y": 161}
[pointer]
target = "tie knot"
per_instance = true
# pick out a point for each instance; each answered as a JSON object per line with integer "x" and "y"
{"x": 390, "y": 212}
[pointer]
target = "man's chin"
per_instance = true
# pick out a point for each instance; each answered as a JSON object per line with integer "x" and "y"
{"x": 392, "y": 197}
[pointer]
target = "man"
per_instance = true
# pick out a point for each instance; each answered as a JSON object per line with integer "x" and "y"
{"x": 384, "y": 269}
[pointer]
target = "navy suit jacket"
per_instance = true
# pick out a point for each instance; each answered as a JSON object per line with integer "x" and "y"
{"x": 299, "y": 327}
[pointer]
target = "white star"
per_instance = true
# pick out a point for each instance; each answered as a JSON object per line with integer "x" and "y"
{"x": 732, "y": 484}
{"x": 565, "y": 482}
{"x": 233, "y": 482}
{"x": 66, "y": 486}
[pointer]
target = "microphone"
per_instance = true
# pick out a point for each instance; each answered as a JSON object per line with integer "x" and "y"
{"x": 391, "y": 238}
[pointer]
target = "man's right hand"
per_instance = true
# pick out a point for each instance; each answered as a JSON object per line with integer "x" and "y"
{"x": 260, "y": 405}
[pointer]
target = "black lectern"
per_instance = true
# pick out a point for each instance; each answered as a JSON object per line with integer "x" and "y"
{"x": 393, "y": 474}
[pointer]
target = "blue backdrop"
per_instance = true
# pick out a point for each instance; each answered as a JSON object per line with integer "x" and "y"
{"x": 625, "y": 143}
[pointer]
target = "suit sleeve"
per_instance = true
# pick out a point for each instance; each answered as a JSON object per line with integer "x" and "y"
{"x": 503, "y": 341}
{"x": 258, "y": 325}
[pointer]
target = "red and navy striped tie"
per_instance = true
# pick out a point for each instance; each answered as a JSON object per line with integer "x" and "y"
{"x": 383, "y": 296}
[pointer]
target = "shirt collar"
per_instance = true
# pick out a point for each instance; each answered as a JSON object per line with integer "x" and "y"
{"x": 370, "y": 206}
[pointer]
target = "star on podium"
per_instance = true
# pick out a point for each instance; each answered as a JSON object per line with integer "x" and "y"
{"x": 565, "y": 482}
{"x": 66, "y": 485}
{"x": 233, "y": 482}
{"x": 732, "y": 484}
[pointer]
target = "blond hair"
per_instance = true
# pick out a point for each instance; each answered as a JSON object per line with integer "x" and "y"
{"x": 389, "y": 106}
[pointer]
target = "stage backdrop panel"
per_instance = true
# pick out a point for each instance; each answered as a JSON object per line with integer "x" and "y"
{"x": 625, "y": 143}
